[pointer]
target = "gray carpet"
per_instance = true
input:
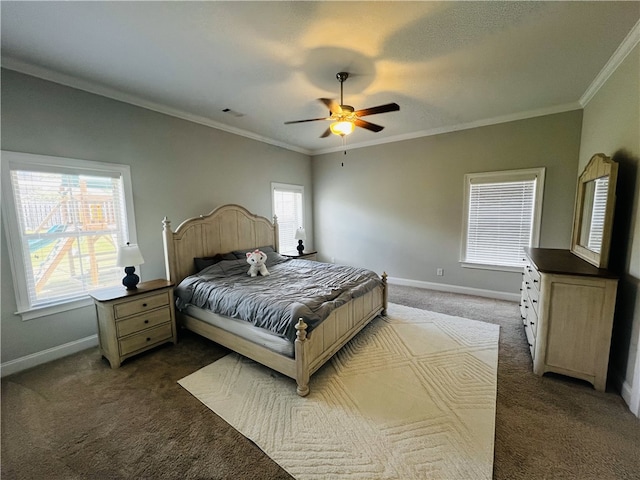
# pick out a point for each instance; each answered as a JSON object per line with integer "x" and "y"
{"x": 75, "y": 418}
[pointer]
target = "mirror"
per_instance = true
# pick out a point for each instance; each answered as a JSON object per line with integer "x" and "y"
{"x": 593, "y": 217}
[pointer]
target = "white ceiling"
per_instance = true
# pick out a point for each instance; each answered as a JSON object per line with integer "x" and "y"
{"x": 449, "y": 65}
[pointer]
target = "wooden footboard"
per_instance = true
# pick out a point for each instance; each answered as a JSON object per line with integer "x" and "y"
{"x": 313, "y": 350}
{"x": 232, "y": 227}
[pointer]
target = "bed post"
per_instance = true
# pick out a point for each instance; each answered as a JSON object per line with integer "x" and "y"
{"x": 276, "y": 234}
{"x": 169, "y": 253}
{"x": 302, "y": 362}
{"x": 385, "y": 294}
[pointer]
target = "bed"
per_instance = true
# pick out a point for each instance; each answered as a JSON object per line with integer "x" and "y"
{"x": 306, "y": 346}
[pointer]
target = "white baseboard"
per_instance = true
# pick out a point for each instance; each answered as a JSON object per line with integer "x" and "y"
{"x": 626, "y": 390}
{"x": 38, "y": 358}
{"x": 443, "y": 287}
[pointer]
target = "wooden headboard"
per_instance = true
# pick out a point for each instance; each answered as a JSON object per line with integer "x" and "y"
{"x": 227, "y": 228}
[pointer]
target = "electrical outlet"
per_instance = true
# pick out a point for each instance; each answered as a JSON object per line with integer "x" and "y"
{"x": 440, "y": 272}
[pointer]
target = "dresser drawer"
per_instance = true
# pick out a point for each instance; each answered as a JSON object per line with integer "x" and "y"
{"x": 532, "y": 280}
{"x": 531, "y": 340}
{"x": 532, "y": 320}
{"x": 145, "y": 339}
{"x": 533, "y": 273}
{"x": 524, "y": 302}
{"x": 140, "y": 305}
{"x": 143, "y": 321}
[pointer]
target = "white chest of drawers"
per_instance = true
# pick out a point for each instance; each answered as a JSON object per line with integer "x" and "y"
{"x": 567, "y": 308}
{"x": 132, "y": 321}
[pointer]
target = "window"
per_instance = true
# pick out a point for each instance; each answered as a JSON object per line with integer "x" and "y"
{"x": 502, "y": 216}
{"x": 288, "y": 206}
{"x": 64, "y": 219}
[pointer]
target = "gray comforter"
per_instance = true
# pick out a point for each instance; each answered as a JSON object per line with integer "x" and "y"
{"x": 295, "y": 288}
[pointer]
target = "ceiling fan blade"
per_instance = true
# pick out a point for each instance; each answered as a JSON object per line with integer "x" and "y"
{"x": 308, "y": 120}
{"x": 334, "y": 107}
{"x": 389, "y": 107}
{"x": 368, "y": 125}
{"x": 326, "y": 133}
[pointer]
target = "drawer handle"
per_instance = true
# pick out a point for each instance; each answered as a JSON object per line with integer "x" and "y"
{"x": 146, "y": 321}
{"x": 148, "y": 339}
{"x": 535, "y": 281}
{"x": 530, "y": 345}
{"x": 534, "y": 301}
{"x": 531, "y": 323}
{"x": 144, "y": 304}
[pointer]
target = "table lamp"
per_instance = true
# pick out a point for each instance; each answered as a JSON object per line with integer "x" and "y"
{"x": 128, "y": 256}
{"x": 300, "y": 236}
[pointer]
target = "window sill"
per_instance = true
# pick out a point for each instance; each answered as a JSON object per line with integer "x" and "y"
{"x": 501, "y": 268}
{"x": 33, "y": 313}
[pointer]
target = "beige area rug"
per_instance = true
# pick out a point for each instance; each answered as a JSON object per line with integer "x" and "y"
{"x": 411, "y": 397}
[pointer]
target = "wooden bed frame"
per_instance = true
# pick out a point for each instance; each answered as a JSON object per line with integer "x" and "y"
{"x": 232, "y": 227}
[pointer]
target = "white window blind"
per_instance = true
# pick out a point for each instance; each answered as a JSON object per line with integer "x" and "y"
{"x": 66, "y": 224}
{"x": 288, "y": 206}
{"x": 503, "y": 215}
{"x": 598, "y": 214}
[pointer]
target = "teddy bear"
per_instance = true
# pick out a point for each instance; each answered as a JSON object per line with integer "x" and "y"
{"x": 256, "y": 259}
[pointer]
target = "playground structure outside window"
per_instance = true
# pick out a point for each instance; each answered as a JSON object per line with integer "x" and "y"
{"x": 64, "y": 219}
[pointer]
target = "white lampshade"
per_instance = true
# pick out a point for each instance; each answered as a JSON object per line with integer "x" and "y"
{"x": 129, "y": 256}
{"x": 300, "y": 234}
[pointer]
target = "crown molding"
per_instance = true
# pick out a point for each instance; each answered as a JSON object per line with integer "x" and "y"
{"x": 627, "y": 45}
{"x": 630, "y": 41}
{"x": 455, "y": 128}
{"x": 102, "y": 90}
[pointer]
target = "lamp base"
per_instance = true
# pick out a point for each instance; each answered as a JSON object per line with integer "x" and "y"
{"x": 300, "y": 247}
{"x": 131, "y": 279}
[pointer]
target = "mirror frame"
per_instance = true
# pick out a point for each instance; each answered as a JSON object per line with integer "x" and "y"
{"x": 599, "y": 166}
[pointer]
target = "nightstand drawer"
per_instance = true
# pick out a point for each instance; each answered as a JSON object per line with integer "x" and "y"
{"x": 143, "y": 321}
{"x": 145, "y": 339}
{"x": 140, "y": 305}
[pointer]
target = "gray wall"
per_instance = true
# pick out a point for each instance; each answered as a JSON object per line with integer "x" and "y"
{"x": 179, "y": 169}
{"x": 398, "y": 207}
{"x": 394, "y": 207}
{"x": 612, "y": 126}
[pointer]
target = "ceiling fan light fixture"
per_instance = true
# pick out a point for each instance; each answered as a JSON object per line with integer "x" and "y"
{"x": 344, "y": 118}
{"x": 342, "y": 128}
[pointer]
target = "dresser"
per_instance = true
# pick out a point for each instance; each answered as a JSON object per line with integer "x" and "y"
{"x": 567, "y": 308}
{"x": 133, "y": 321}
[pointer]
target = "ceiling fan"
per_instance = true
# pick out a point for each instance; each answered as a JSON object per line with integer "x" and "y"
{"x": 344, "y": 117}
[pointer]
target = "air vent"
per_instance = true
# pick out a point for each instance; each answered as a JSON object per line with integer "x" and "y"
{"x": 233, "y": 112}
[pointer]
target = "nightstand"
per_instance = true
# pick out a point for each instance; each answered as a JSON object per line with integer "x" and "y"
{"x": 132, "y": 321}
{"x": 305, "y": 255}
